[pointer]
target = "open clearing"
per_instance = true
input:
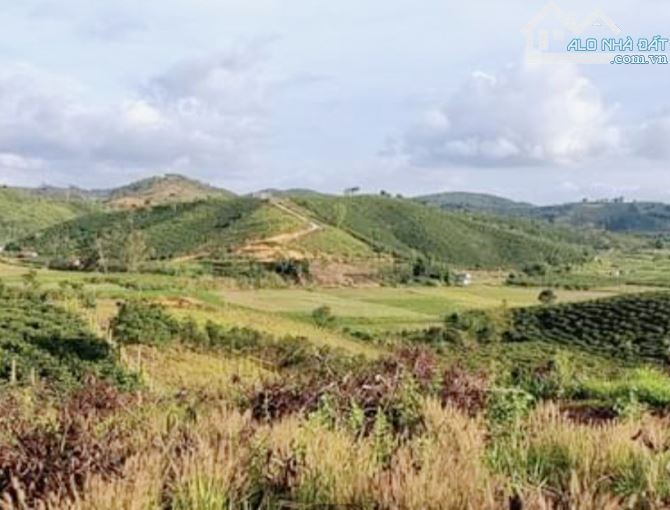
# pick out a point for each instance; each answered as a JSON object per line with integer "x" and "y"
{"x": 399, "y": 307}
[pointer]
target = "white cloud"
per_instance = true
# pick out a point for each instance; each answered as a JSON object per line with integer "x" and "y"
{"x": 521, "y": 116}
{"x": 206, "y": 116}
{"x": 651, "y": 139}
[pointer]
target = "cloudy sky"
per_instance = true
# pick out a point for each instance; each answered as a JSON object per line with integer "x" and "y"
{"x": 406, "y": 96}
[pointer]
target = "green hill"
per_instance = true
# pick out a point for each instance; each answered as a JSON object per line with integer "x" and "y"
{"x": 610, "y": 215}
{"x": 642, "y": 217}
{"x": 475, "y": 202}
{"x": 170, "y": 230}
{"x": 407, "y": 228}
{"x": 23, "y": 212}
{"x": 313, "y": 227}
{"x": 215, "y": 228}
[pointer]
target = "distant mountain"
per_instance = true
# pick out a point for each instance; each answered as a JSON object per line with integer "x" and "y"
{"x": 64, "y": 193}
{"x": 169, "y": 188}
{"x": 610, "y": 215}
{"x": 475, "y": 202}
{"x": 157, "y": 190}
{"x": 614, "y": 216}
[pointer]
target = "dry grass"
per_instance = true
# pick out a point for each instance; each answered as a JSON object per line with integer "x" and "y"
{"x": 169, "y": 370}
{"x": 219, "y": 458}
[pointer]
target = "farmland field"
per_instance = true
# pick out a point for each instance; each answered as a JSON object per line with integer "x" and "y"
{"x": 400, "y": 307}
{"x": 202, "y": 392}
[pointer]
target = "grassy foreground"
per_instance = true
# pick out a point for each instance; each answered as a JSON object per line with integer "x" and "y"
{"x": 206, "y": 397}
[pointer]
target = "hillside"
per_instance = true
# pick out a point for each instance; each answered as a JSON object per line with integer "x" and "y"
{"x": 170, "y": 230}
{"x": 475, "y": 202}
{"x": 242, "y": 227}
{"x": 24, "y": 212}
{"x": 407, "y": 228}
{"x": 160, "y": 190}
{"x": 610, "y": 215}
{"x": 643, "y": 217}
{"x": 314, "y": 227}
{"x": 40, "y": 339}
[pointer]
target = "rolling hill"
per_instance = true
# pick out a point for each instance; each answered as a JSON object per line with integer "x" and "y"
{"x": 243, "y": 227}
{"x": 23, "y": 212}
{"x": 610, "y": 215}
{"x": 476, "y": 202}
{"x": 406, "y": 228}
{"x": 312, "y": 227}
{"x": 632, "y": 217}
{"x": 160, "y": 190}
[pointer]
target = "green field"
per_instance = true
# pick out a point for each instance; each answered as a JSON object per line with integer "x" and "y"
{"x": 393, "y": 308}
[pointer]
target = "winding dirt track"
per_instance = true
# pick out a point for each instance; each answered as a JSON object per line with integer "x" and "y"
{"x": 269, "y": 247}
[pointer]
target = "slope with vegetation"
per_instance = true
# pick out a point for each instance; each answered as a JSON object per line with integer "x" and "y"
{"x": 614, "y": 215}
{"x": 408, "y": 229}
{"x": 41, "y": 341}
{"x": 160, "y": 190}
{"x": 166, "y": 231}
{"x": 23, "y": 212}
{"x": 630, "y": 326}
{"x": 476, "y": 202}
{"x": 355, "y": 228}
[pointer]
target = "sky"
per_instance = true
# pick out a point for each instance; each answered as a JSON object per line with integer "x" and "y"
{"x": 408, "y": 96}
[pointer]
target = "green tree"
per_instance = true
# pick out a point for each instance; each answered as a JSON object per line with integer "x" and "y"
{"x": 547, "y": 297}
{"x": 135, "y": 251}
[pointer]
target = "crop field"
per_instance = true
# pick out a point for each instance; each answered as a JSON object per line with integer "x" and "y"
{"x": 392, "y": 308}
{"x": 150, "y": 391}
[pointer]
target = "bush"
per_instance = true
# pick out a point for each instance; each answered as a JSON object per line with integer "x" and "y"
{"x": 644, "y": 385}
{"x": 547, "y": 297}
{"x": 38, "y": 340}
{"x": 506, "y": 408}
{"x": 141, "y": 322}
{"x": 293, "y": 269}
{"x": 323, "y": 316}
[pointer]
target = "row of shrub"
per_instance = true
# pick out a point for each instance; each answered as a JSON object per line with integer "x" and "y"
{"x": 630, "y": 326}
{"x": 41, "y": 342}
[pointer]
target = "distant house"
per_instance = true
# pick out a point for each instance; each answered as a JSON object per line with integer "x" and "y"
{"x": 462, "y": 279}
{"x": 27, "y": 254}
{"x": 262, "y": 195}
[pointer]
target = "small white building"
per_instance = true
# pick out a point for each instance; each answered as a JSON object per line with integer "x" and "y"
{"x": 462, "y": 279}
{"x": 262, "y": 195}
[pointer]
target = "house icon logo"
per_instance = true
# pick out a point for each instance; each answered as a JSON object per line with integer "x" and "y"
{"x": 549, "y": 32}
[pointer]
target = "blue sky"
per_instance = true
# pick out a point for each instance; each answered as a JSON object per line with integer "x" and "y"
{"x": 406, "y": 96}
